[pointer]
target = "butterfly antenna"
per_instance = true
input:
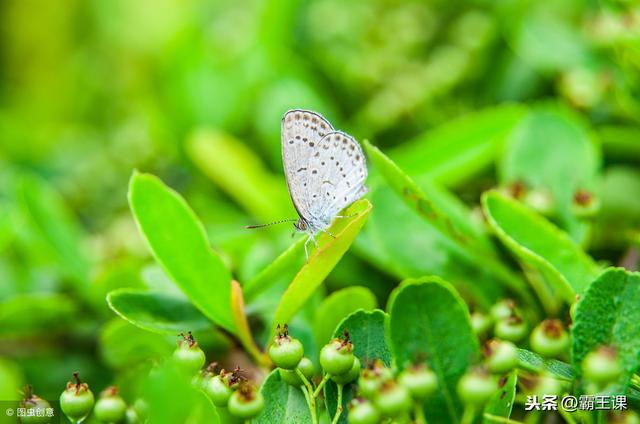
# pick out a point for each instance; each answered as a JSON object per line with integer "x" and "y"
{"x": 271, "y": 223}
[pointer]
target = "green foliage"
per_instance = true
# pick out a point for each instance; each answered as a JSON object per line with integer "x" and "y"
{"x": 158, "y": 312}
{"x": 171, "y": 228}
{"x": 429, "y": 321}
{"x": 503, "y": 177}
{"x": 284, "y": 403}
{"x": 608, "y": 315}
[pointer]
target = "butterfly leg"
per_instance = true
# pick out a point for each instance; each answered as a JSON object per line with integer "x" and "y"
{"x": 327, "y": 232}
{"x": 306, "y": 251}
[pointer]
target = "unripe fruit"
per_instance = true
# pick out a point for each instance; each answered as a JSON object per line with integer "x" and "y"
{"x": 541, "y": 201}
{"x": 246, "y": 403}
{"x": 372, "y": 377}
{"x": 601, "y": 366}
{"x": 286, "y": 352}
{"x": 419, "y": 380}
{"x": 363, "y": 412}
{"x": 292, "y": 378}
{"x": 350, "y": 376}
{"x": 476, "y": 387}
{"x": 393, "y": 399}
{"x": 110, "y": 407}
{"x": 549, "y": 338}
{"x": 77, "y": 400}
{"x": 503, "y": 309}
{"x": 32, "y": 401}
{"x": 512, "y": 329}
{"x": 188, "y": 356}
{"x": 336, "y": 358}
{"x": 501, "y": 356}
{"x": 481, "y": 323}
{"x": 218, "y": 391}
{"x": 545, "y": 385}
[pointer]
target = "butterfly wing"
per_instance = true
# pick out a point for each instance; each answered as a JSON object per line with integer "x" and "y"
{"x": 302, "y": 132}
{"x": 337, "y": 172}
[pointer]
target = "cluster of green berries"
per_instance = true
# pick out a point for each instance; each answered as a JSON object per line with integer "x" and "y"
{"x": 506, "y": 321}
{"x": 228, "y": 390}
{"x": 77, "y": 402}
{"x": 383, "y": 393}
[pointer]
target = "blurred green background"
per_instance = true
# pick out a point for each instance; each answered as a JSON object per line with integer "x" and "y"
{"x": 193, "y": 91}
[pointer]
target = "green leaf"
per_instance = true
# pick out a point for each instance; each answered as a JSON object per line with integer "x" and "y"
{"x": 535, "y": 363}
{"x": 54, "y": 223}
{"x": 283, "y": 403}
{"x": 608, "y": 314}
{"x": 36, "y": 313}
{"x": 428, "y": 320}
{"x": 158, "y": 312}
{"x": 367, "y": 332}
{"x": 501, "y": 404}
{"x": 321, "y": 261}
{"x": 123, "y": 345}
{"x": 557, "y": 268}
{"x": 432, "y": 204}
{"x": 545, "y": 166}
{"x": 336, "y": 307}
{"x": 451, "y": 153}
{"x": 236, "y": 169}
{"x": 179, "y": 243}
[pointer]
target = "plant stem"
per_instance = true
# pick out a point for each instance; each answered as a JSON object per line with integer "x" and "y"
{"x": 418, "y": 413}
{"x": 308, "y": 394}
{"x": 321, "y": 385}
{"x": 468, "y": 415}
{"x": 336, "y": 417}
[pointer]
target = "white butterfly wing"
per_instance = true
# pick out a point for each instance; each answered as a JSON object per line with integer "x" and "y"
{"x": 337, "y": 173}
{"x": 302, "y": 132}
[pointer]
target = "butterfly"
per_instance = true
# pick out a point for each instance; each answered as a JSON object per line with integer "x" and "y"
{"x": 325, "y": 170}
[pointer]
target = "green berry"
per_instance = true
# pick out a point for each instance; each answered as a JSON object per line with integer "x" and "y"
{"x": 286, "y": 352}
{"x": 585, "y": 204}
{"x": 292, "y": 378}
{"x": 512, "y": 329}
{"x": 219, "y": 391}
{"x": 32, "y": 401}
{"x": 77, "y": 400}
{"x": 110, "y": 407}
{"x": 419, "y": 380}
{"x": 501, "y": 356}
{"x": 549, "y": 338}
{"x": 601, "y": 366}
{"x": 350, "y": 376}
{"x": 336, "y": 358}
{"x": 363, "y": 412}
{"x": 546, "y": 385}
{"x": 393, "y": 399}
{"x": 246, "y": 403}
{"x": 481, "y": 323}
{"x": 188, "y": 356}
{"x": 476, "y": 387}
{"x": 503, "y": 309}
{"x": 541, "y": 201}
{"x": 372, "y": 377}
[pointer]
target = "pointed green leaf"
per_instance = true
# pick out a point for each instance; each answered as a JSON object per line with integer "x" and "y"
{"x": 179, "y": 243}
{"x": 557, "y": 268}
{"x": 434, "y": 206}
{"x": 321, "y": 261}
{"x": 283, "y": 403}
{"x": 608, "y": 314}
{"x": 451, "y": 153}
{"x": 158, "y": 312}
{"x": 535, "y": 363}
{"x": 428, "y": 320}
